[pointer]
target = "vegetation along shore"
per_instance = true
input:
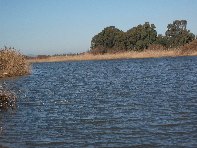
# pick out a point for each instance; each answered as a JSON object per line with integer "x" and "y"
{"x": 12, "y": 63}
{"x": 153, "y": 51}
{"x": 141, "y": 41}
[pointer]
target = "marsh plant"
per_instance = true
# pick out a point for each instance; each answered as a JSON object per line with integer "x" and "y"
{"x": 7, "y": 99}
{"x": 12, "y": 63}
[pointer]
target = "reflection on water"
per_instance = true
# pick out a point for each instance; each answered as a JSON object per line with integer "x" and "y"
{"x": 139, "y": 102}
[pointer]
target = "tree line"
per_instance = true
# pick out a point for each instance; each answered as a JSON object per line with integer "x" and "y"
{"x": 138, "y": 38}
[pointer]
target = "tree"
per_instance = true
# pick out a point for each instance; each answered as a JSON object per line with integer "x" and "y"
{"x": 107, "y": 38}
{"x": 162, "y": 40}
{"x": 140, "y": 37}
{"x": 177, "y": 33}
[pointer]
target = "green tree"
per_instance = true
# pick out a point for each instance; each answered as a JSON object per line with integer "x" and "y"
{"x": 140, "y": 37}
{"x": 107, "y": 38}
{"x": 177, "y": 34}
{"x": 162, "y": 40}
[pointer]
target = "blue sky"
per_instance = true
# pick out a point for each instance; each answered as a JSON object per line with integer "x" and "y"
{"x": 67, "y": 26}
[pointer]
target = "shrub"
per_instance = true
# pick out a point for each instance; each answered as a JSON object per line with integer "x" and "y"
{"x": 156, "y": 47}
{"x": 190, "y": 46}
{"x": 99, "y": 50}
{"x": 7, "y": 99}
{"x": 12, "y": 63}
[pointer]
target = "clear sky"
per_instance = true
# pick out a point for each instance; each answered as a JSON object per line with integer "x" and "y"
{"x": 67, "y": 26}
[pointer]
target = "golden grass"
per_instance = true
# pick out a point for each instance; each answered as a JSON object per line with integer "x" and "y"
{"x": 12, "y": 63}
{"x": 123, "y": 55}
{"x": 154, "y": 51}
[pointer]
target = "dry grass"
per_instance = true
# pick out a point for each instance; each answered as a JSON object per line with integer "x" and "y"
{"x": 12, "y": 63}
{"x": 149, "y": 53}
{"x": 154, "y": 51}
{"x": 189, "y": 49}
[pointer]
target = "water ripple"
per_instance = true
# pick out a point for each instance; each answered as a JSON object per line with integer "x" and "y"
{"x": 118, "y": 103}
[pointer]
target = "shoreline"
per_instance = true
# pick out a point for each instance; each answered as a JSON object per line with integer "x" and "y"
{"x": 113, "y": 56}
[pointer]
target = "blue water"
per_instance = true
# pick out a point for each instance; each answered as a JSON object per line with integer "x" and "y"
{"x": 117, "y": 103}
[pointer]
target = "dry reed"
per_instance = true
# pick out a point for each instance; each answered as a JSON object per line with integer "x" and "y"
{"x": 154, "y": 51}
{"x": 7, "y": 99}
{"x": 122, "y": 55}
{"x": 12, "y": 63}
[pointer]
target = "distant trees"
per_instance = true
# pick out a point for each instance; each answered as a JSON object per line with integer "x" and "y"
{"x": 111, "y": 39}
{"x": 140, "y": 37}
{"x": 177, "y": 34}
{"x": 107, "y": 39}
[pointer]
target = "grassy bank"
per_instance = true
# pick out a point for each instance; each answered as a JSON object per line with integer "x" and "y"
{"x": 12, "y": 63}
{"x": 152, "y": 52}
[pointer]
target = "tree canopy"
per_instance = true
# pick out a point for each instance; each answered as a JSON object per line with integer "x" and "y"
{"x": 177, "y": 34}
{"x": 138, "y": 38}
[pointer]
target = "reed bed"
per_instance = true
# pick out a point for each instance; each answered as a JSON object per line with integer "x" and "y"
{"x": 148, "y": 53}
{"x": 154, "y": 51}
{"x": 12, "y": 63}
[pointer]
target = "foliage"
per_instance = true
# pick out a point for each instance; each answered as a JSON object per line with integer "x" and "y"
{"x": 138, "y": 38}
{"x": 107, "y": 39}
{"x": 162, "y": 40}
{"x": 189, "y": 48}
{"x": 177, "y": 34}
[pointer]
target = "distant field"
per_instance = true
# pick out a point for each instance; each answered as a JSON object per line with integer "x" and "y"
{"x": 123, "y": 55}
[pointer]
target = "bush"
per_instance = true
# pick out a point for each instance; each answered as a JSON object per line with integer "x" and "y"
{"x": 12, "y": 63}
{"x": 98, "y": 50}
{"x": 156, "y": 47}
{"x": 189, "y": 48}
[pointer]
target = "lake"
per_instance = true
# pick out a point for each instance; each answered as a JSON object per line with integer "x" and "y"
{"x": 115, "y": 103}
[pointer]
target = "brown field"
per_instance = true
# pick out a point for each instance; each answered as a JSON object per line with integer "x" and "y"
{"x": 123, "y": 55}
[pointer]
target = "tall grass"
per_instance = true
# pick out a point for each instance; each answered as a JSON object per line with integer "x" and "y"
{"x": 107, "y": 56}
{"x": 12, "y": 63}
{"x": 154, "y": 51}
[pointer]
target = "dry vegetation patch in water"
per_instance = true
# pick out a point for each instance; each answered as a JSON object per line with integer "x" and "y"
{"x": 12, "y": 63}
{"x": 7, "y": 99}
